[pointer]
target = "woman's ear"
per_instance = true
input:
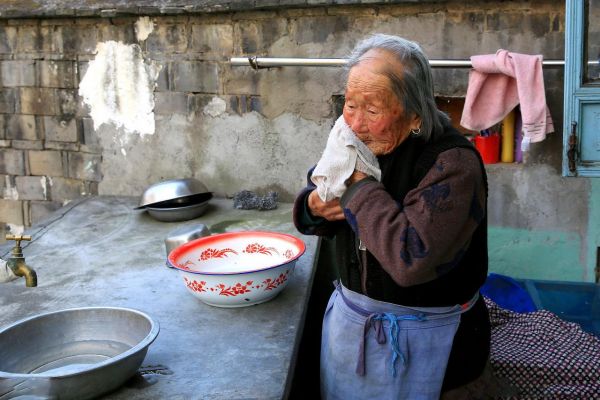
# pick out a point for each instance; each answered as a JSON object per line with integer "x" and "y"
{"x": 415, "y": 122}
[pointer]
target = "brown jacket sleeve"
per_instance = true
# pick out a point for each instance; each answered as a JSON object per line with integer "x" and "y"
{"x": 420, "y": 239}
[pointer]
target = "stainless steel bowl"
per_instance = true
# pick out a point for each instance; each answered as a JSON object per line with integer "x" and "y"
{"x": 174, "y": 192}
{"x": 77, "y": 353}
{"x": 184, "y": 234}
{"x": 174, "y": 214}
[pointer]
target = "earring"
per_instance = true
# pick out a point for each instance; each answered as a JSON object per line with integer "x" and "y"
{"x": 415, "y": 132}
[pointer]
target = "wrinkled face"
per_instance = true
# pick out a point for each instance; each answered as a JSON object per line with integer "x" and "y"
{"x": 371, "y": 108}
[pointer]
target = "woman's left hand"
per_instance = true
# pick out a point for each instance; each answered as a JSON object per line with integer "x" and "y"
{"x": 330, "y": 210}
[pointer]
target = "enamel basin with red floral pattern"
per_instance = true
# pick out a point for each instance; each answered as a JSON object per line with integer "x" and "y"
{"x": 237, "y": 269}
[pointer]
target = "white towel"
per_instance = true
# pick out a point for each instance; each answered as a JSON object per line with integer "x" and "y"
{"x": 343, "y": 154}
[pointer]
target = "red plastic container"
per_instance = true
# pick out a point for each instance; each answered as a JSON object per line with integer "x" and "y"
{"x": 489, "y": 148}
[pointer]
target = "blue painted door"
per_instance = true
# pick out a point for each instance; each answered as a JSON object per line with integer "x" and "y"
{"x": 581, "y": 131}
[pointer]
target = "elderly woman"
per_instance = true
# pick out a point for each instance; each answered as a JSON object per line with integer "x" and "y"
{"x": 405, "y": 320}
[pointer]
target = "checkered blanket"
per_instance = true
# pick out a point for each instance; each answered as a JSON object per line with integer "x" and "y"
{"x": 543, "y": 356}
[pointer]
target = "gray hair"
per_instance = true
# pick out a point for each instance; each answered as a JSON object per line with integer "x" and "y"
{"x": 414, "y": 89}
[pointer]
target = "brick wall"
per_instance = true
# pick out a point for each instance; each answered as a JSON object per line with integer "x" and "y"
{"x": 44, "y": 159}
{"x": 50, "y": 151}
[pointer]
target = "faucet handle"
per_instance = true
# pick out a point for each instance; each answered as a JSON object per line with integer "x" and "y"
{"x": 18, "y": 238}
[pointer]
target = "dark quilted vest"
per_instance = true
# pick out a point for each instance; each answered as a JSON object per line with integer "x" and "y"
{"x": 402, "y": 170}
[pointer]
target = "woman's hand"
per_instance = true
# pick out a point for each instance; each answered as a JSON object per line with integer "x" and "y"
{"x": 330, "y": 210}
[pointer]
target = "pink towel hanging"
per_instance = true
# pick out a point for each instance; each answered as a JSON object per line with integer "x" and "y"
{"x": 497, "y": 84}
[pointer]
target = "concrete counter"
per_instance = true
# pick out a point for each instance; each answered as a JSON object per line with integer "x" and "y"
{"x": 100, "y": 252}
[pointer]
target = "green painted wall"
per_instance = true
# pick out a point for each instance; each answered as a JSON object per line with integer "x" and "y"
{"x": 546, "y": 255}
{"x": 549, "y": 254}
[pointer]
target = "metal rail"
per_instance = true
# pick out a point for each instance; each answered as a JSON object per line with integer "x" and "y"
{"x": 269, "y": 62}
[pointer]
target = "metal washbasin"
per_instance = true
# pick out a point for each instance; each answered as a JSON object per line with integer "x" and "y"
{"x": 175, "y": 200}
{"x": 180, "y": 213}
{"x": 77, "y": 353}
{"x": 174, "y": 193}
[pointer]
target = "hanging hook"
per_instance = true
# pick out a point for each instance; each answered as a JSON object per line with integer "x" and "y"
{"x": 253, "y": 61}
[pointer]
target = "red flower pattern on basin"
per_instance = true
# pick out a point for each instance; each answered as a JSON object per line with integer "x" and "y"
{"x": 185, "y": 265}
{"x": 214, "y": 253}
{"x": 196, "y": 286}
{"x": 259, "y": 248}
{"x": 272, "y": 284}
{"x": 238, "y": 288}
{"x": 288, "y": 254}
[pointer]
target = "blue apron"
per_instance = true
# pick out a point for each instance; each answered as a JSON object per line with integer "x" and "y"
{"x": 376, "y": 350}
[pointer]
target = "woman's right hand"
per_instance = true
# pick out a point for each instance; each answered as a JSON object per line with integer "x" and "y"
{"x": 330, "y": 210}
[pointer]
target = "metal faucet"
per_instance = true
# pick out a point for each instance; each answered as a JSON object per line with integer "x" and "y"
{"x": 17, "y": 261}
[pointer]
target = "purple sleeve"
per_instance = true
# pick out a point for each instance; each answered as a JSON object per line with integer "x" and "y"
{"x": 424, "y": 237}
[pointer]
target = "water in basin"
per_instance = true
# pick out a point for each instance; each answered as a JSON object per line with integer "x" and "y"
{"x": 79, "y": 356}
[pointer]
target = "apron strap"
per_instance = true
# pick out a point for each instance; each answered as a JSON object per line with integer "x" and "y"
{"x": 377, "y": 325}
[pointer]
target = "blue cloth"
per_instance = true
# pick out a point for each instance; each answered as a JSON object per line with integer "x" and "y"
{"x": 507, "y": 293}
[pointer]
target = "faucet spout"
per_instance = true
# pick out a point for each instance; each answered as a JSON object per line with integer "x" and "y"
{"x": 17, "y": 262}
{"x": 19, "y": 268}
